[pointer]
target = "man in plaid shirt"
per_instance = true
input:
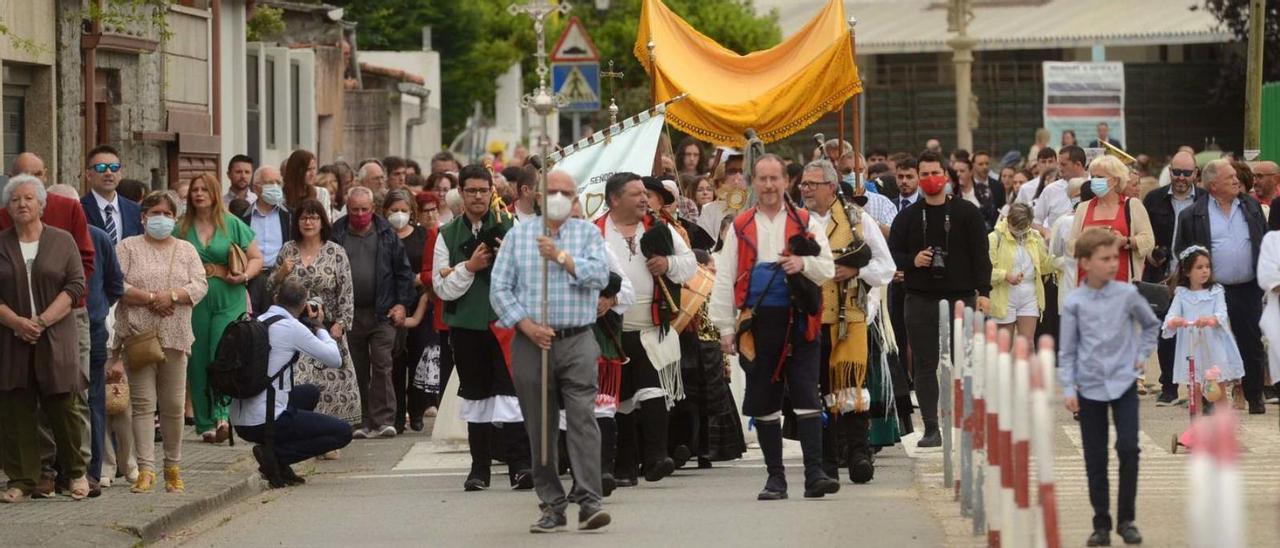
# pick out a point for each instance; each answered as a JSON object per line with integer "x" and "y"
{"x": 579, "y": 269}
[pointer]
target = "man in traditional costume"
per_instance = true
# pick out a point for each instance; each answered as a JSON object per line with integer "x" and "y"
{"x": 862, "y": 262}
{"x": 774, "y": 260}
{"x": 656, "y": 261}
{"x": 462, "y": 265}
{"x": 708, "y": 401}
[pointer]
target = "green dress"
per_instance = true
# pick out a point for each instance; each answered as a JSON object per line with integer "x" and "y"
{"x": 222, "y": 305}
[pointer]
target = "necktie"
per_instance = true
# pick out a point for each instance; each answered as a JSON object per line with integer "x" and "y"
{"x": 903, "y": 204}
{"x": 110, "y": 222}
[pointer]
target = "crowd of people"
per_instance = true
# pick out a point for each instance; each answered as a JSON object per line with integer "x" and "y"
{"x": 820, "y": 278}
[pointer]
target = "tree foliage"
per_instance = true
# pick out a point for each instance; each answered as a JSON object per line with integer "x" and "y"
{"x": 1234, "y": 16}
{"x": 478, "y": 40}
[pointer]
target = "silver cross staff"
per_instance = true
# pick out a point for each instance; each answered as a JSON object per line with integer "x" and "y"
{"x": 545, "y": 104}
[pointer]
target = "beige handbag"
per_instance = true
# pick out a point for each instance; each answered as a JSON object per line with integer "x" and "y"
{"x": 143, "y": 348}
{"x": 117, "y": 397}
{"x": 237, "y": 261}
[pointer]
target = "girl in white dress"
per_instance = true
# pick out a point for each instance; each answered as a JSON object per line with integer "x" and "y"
{"x": 1198, "y": 318}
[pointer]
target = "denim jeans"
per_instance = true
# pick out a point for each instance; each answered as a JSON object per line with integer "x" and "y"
{"x": 97, "y": 397}
{"x": 301, "y": 433}
{"x": 1093, "y": 434}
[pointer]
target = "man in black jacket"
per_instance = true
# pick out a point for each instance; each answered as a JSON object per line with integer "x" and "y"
{"x": 1163, "y": 206}
{"x": 382, "y": 288}
{"x": 1230, "y": 224}
{"x": 940, "y": 245}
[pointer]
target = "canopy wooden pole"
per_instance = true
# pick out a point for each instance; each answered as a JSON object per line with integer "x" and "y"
{"x": 840, "y": 154}
{"x": 856, "y": 115}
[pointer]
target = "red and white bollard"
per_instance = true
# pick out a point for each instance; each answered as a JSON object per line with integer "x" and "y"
{"x": 1042, "y": 429}
{"x": 1021, "y": 526}
{"x": 1216, "y": 510}
{"x": 977, "y": 424}
{"x": 959, "y": 362}
{"x": 992, "y": 488}
{"x": 1005, "y": 424}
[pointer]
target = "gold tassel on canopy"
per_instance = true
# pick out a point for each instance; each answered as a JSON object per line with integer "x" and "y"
{"x": 777, "y": 91}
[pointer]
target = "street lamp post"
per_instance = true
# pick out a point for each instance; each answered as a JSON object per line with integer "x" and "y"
{"x": 545, "y": 104}
{"x": 958, "y": 16}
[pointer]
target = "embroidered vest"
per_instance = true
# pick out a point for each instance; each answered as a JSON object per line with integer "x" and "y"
{"x": 744, "y": 227}
{"x": 472, "y": 310}
{"x": 840, "y": 236}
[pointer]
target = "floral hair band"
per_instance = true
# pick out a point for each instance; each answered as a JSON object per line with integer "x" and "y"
{"x": 1188, "y": 251}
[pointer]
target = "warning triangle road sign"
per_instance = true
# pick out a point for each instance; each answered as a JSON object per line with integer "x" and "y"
{"x": 574, "y": 46}
{"x": 576, "y": 88}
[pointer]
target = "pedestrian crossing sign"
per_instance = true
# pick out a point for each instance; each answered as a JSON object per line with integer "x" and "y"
{"x": 579, "y": 84}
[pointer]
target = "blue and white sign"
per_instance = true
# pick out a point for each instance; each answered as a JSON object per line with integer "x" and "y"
{"x": 579, "y": 83}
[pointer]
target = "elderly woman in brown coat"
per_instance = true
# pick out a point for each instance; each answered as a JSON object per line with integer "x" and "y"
{"x": 40, "y": 277}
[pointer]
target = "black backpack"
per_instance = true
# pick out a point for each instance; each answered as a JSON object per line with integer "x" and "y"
{"x": 239, "y": 367}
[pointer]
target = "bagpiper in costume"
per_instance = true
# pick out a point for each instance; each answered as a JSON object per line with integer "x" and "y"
{"x": 481, "y": 349}
{"x": 651, "y": 379}
{"x": 859, "y": 251}
{"x": 775, "y": 320}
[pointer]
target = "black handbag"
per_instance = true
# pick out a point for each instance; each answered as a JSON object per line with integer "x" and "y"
{"x": 1157, "y": 296}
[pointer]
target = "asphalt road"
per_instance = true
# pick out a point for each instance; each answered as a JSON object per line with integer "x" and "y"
{"x": 408, "y": 492}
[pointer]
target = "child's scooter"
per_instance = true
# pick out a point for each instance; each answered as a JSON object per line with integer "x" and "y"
{"x": 1212, "y": 390}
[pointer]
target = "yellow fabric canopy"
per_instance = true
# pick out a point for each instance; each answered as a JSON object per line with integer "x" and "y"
{"x": 778, "y": 91}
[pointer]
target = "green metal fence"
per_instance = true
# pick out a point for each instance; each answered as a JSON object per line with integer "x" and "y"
{"x": 1271, "y": 121}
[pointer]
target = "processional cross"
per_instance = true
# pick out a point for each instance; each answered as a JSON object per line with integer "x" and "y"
{"x": 545, "y": 104}
{"x": 613, "y": 103}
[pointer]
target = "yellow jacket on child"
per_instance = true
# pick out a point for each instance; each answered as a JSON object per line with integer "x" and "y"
{"x": 1001, "y": 246}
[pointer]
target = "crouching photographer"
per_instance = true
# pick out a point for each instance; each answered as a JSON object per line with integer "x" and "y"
{"x": 940, "y": 245}
{"x": 294, "y": 326}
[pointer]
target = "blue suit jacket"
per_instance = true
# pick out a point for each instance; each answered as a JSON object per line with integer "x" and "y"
{"x": 130, "y": 219}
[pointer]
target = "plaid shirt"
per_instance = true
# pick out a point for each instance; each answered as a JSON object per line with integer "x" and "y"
{"x": 880, "y": 208}
{"x": 516, "y": 282}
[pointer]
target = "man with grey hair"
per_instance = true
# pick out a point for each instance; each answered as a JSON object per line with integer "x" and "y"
{"x": 1163, "y": 205}
{"x": 371, "y": 175}
{"x": 66, "y": 214}
{"x": 577, "y": 269}
{"x": 850, "y": 300}
{"x": 1230, "y": 224}
{"x": 271, "y": 224}
{"x": 382, "y": 285}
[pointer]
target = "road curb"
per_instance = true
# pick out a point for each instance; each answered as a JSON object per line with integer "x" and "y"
{"x": 154, "y": 529}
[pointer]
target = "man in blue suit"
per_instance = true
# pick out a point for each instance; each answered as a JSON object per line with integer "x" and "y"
{"x": 120, "y": 217}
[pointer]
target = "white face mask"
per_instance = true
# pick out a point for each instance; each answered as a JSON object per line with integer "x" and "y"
{"x": 272, "y": 194}
{"x": 398, "y": 219}
{"x": 559, "y": 206}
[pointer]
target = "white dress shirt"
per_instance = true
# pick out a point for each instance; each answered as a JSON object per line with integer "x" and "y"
{"x": 458, "y": 282}
{"x": 114, "y": 202}
{"x": 1063, "y": 258}
{"x": 627, "y": 294}
{"x": 711, "y": 216}
{"x": 680, "y": 267}
{"x": 1052, "y": 203}
{"x": 771, "y": 240}
{"x": 879, "y": 272}
{"x": 288, "y": 337}
{"x": 1027, "y": 193}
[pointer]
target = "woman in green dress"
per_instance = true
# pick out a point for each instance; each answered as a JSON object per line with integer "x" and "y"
{"x": 213, "y": 231}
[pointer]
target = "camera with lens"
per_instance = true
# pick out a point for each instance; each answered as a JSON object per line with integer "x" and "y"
{"x": 1160, "y": 255}
{"x": 938, "y": 263}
